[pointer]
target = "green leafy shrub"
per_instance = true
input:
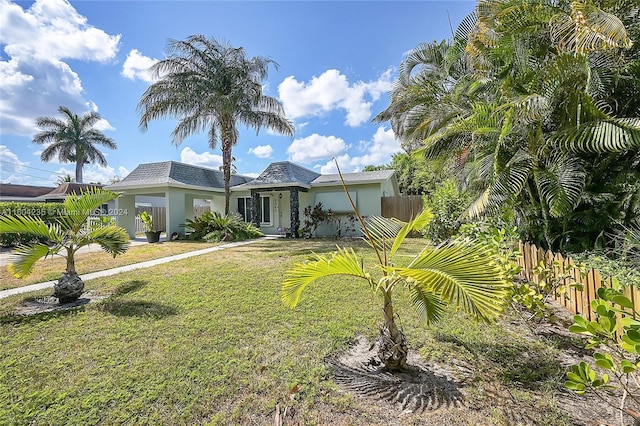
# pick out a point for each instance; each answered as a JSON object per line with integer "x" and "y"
{"x": 314, "y": 217}
{"x": 47, "y": 211}
{"x": 625, "y": 271}
{"x": 214, "y": 227}
{"x": 446, "y": 203}
{"x": 621, "y": 353}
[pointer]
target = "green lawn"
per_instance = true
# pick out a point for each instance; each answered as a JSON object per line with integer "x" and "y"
{"x": 206, "y": 340}
{"x": 51, "y": 268}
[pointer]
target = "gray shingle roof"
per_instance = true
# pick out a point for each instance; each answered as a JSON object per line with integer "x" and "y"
{"x": 176, "y": 173}
{"x": 284, "y": 173}
{"x": 360, "y": 177}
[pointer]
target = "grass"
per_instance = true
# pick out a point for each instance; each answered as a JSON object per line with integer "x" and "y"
{"x": 51, "y": 268}
{"x": 206, "y": 340}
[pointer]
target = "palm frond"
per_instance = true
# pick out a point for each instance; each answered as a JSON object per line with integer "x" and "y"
{"x": 27, "y": 225}
{"x": 382, "y": 231}
{"x": 113, "y": 239}
{"x": 462, "y": 274}
{"x": 561, "y": 184}
{"x": 24, "y": 258}
{"x": 418, "y": 223}
{"x": 613, "y": 135}
{"x": 343, "y": 262}
{"x": 78, "y": 207}
{"x": 429, "y": 306}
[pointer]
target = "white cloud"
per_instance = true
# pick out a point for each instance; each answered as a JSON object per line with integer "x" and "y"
{"x": 92, "y": 173}
{"x": 262, "y": 151}
{"x": 136, "y": 66}
{"x": 375, "y": 152}
{"x": 36, "y": 78}
{"x": 331, "y": 91}
{"x": 316, "y": 147}
{"x": 11, "y": 168}
{"x": 206, "y": 159}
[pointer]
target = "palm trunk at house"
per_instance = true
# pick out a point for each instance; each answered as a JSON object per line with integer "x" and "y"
{"x": 392, "y": 345}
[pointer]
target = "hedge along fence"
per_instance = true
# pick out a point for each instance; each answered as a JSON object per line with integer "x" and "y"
{"x": 46, "y": 211}
{"x": 575, "y": 300}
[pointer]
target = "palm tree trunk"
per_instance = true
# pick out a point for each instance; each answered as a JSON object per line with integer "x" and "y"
{"x": 79, "y": 165}
{"x": 226, "y": 134}
{"x": 392, "y": 345}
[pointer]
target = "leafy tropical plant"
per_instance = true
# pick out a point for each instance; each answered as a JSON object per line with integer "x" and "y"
{"x": 147, "y": 221}
{"x": 72, "y": 139}
{"x": 314, "y": 217}
{"x": 210, "y": 85}
{"x": 459, "y": 273}
{"x": 214, "y": 227}
{"x": 65, "y": 235}
{"x": 526, "y": 98}
{"x": 620, "y": 357}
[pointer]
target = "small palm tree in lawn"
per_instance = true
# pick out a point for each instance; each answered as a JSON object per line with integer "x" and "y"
{"x": 212, "y": 86}
{"x": 72, "y": 139}
{"x": 459, "y": 273}
{"x": 66, "y": 235}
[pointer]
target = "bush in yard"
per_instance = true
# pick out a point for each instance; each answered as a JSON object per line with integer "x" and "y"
{"x": 215, "y": 227}
{"x": 314, "y": 217}
{"x": 446, "y": 203}
{"x": 46, "y": 211}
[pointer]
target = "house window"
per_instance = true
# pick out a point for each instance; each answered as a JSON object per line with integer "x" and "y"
{"x": 264, "y": 209}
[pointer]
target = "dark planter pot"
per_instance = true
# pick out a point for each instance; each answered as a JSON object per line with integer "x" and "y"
{"x": 153, "y": 236}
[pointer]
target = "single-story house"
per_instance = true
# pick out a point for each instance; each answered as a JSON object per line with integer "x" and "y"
{"x": 274, "y": 201}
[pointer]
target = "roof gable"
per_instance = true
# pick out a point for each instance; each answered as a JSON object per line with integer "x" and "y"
{"x": 174, "y": 173}
{"x": 284, "y": 173}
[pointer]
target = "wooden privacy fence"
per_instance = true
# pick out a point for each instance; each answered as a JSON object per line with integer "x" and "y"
{"x": 157, "y": 213}
{"x": 576, "y": 301}
{"x": 403, "y": 207}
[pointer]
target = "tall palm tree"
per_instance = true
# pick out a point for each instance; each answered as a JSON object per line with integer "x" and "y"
{"x": 64, "y": 237}
{"x": 212, "y": 86}
{"x": 72, "y": 139}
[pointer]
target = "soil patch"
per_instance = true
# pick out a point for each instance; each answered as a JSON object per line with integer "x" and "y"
{"x": 450, "y": 394}
{"x": 48, "y": 304}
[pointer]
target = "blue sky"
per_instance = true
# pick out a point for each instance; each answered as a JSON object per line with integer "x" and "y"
{"x": 337, "y": 61}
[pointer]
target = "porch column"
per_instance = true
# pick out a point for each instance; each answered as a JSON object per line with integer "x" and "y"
{"x": 125, "y": 213}
{"x": 255, "y": 201}
{"x": 294, "y": 204}
{"x": 175, "y": 209}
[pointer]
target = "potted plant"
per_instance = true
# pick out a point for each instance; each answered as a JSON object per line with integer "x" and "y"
{"x": 153, "y": 235}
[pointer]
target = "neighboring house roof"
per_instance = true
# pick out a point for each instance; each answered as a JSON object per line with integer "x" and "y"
{"x": 283, "y": 174}
{"x": 174, "y": 173}
{"x": 11, "y": 192}
{"x": 64, "y": 189}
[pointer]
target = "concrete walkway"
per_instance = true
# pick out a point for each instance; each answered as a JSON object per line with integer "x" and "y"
{"x": 127, "y": 268}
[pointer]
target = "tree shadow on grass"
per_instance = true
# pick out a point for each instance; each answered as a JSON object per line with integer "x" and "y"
{"x": 415, "y": 388}
{"x": 129, "y": 287}
{"x": 516, "y": 362}
{"x": 136, "y": 308}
